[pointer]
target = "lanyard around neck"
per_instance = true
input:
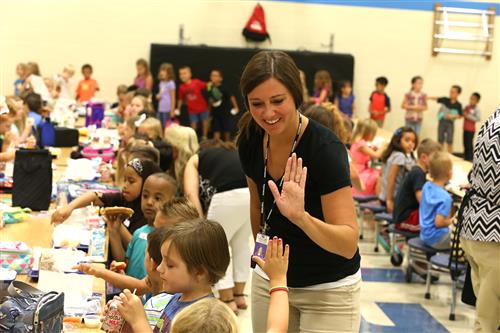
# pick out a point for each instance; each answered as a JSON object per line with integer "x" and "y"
{"x": 264, "y": 221}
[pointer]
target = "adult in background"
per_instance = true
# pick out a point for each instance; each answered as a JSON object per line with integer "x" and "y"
{"x": 215, "y": 183}
{"x": 298, "y": 176}
{"x": 480, "y": 236}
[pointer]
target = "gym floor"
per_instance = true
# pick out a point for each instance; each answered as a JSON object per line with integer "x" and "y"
{"x": 390, "y": 304}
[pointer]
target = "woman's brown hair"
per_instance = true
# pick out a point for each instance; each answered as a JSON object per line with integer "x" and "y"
{"x": 262, "y": 67}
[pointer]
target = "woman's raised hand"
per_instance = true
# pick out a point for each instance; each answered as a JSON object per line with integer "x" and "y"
{"x": 290, "y": 201}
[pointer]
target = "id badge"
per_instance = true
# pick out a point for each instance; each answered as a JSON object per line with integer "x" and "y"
{"x": 260, "y": 248}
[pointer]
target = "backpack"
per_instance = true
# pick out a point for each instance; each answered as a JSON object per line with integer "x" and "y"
{"x": 47, "y": 133}
{"x": 457, "y": 253}
{"x": 94, "y": 114}
{"x": 24, "y": 309}
{"x": 32, "y": 179}
{"x": 65, "y": 137}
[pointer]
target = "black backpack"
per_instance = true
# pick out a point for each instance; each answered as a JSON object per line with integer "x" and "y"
{"x": 24, "y": 309}
{"x": 32, "y": 179}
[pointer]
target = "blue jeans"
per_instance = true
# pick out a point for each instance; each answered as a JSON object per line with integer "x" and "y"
{"x": 416, "y": 125}
{"x": 198, "y": 117}
{"x": 163, "y": 117}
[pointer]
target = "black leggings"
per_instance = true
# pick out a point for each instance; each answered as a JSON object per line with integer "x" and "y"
{"x": 468, "y": 145}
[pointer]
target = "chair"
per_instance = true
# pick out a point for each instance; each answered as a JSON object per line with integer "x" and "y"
{"x": 397, "y": 236}
{"x": 441, "y": 261}
{"x": 379, "y": 218}
{"x": 420, "y": 253}
{"x": 359, "y": 199}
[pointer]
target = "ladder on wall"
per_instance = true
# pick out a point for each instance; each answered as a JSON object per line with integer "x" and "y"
{"x": 463, "y": 30}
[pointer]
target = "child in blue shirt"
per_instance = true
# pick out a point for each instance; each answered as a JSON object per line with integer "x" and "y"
{"x": 34, "y": 103}
{"x": 435, "y": 212}
{"x": 345, "y": 101}
{"x": 195, "y": 255}
{"x": 158, "y": 189}
{"x": 169, "y": 213}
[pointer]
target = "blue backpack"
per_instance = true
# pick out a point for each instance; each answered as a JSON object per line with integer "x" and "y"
{"x": 24, "y": 309}
{"x": 47, "y": 133}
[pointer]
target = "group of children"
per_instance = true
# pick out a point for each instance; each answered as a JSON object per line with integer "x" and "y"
{"x": 203, "y": 100}
{"x": 402, "y": 185}
{"x": 170, "y": 256}
{"x": 414, "y": 103}
{"x": 212, "y": 105}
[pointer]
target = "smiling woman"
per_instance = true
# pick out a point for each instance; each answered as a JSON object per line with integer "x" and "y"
{"x": 298, "y": 175}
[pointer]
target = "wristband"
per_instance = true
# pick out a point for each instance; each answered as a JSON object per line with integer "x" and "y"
{"x": 278, "y": 288}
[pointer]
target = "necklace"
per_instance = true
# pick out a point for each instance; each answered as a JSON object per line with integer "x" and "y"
{"x": 264, "y": 221}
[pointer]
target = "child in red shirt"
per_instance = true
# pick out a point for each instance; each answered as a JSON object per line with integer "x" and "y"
{"x": 380, "y": 103}
{"x": 191, "y": 90}
{"x": 87, "y": 87}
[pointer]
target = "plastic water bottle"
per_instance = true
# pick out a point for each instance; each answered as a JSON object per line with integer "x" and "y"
{"x": 97, "y": 243}
{"x": 62, "y": 195}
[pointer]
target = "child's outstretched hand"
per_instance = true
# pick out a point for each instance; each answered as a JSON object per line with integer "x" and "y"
{"x": 275, "y": 264}
{"x": 88, "y": 269}
{"x": 61, "y": 215}
{"x": 132, "y": 310}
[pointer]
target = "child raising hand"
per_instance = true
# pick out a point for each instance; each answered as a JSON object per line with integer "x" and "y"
{"x": 275, "y": 265}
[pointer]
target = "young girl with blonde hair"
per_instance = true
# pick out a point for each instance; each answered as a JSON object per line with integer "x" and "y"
{"x": 322, "y": 87}
{"x": 34, "y": 81}
{"x": 362, "y": 152}
{"x": 6, "y": 151}
{"x": 138, "y": 106}
{"x": 166, "y": 95}
{"x": 22, "y": 126}
{"x": 185, "y": 144}
{"x": 21, "y": 72}
{"x": 151, "y": 128}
